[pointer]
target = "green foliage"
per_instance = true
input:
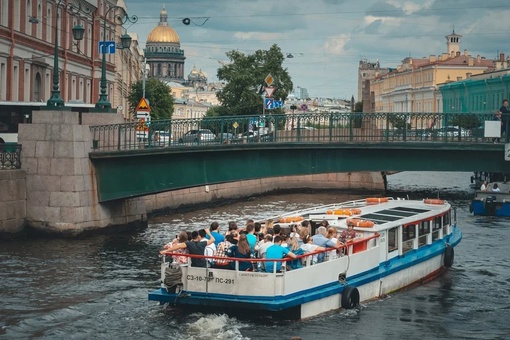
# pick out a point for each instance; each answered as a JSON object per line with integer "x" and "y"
{"x": 157, "y": 93}
{"x": 358, "y": 107}
{"x": 469, "y": 121}
{"x": 245, "y": 76}
{"x": 216, "y": 111}
{"x": 399, "y": 122}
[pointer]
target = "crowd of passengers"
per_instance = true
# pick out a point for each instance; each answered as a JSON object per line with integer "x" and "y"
{"x": 257, "y": 241}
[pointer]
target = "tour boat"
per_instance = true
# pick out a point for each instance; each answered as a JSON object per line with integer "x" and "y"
{"x": 398, "y": 243}
{"x": 491, "y": 203}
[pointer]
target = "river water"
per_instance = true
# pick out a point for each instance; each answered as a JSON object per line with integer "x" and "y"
{"x": 97, "y": 287}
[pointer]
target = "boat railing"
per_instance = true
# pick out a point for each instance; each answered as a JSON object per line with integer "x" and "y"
{"x": 347, "y": 204}
{"x": 349, "y": 248}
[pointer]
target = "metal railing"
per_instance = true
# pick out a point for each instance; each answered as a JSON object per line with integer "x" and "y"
{"x": 10, "y": 156}
{"x": 295, "y": 128}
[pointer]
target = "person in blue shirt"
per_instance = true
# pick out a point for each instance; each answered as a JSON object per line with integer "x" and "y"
{"x": 250, "y": 236}
{"x": 218, "y": 238}
{"x": 277, "y": 252}
{"x": 321, "y": 240}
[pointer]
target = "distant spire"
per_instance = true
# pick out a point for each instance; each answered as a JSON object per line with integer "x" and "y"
{"x": 453, "y": 31}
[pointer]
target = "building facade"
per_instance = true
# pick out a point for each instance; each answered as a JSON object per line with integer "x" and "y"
{"x": 163, "y": 52}
{"x": 27, "y": 44}
{"x": 483, "y": 93}
{"x": 413, "y": 86}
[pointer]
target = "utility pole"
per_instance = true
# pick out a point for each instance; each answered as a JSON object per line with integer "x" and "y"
{"x": 143, "y": 77}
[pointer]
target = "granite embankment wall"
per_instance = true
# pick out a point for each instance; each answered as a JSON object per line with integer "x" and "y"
{"x": 356, "y": 181}
{"x": 13, "y": 200}
{"x": 13, "y": 195}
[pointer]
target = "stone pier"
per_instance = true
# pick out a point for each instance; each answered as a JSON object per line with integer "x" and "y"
{"x": 61, "y": 189}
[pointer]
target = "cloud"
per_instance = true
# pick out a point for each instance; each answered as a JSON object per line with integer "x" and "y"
{"x": 336, "y": 44}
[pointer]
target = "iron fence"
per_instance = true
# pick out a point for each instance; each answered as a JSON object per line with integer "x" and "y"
{"x": 10, "y": 156}
{"x": 295, "y": 128}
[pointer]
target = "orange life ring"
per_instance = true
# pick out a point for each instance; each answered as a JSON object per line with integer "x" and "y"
{"x": 361, "y": 223}
{"x": 346, "y": 212}
{"x": 376, "y": 199}
{"x": 433, "y": 201}
{"x": 290, "y": 219}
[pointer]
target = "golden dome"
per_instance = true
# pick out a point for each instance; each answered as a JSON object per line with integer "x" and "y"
{"x": 163, "y": 34}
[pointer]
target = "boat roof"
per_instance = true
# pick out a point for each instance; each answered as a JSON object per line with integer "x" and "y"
{"x": 384, "y": 215}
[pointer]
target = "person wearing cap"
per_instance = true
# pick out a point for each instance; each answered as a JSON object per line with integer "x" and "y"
{"x": 348, "y": 234}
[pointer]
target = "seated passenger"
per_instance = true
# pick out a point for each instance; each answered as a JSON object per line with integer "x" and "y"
{"x": 262, "y": 247}
{"x": 221, "y": 251}
{"x": 348, "y": 234}
{"x": 485, "y": 186}
{"x": 309, "y": 247}
{"x": 241, "y": 250}
{"x": 293, "y": 246}
{"x": 332, "y": 235}
{"x": 277, "y": 252}
{"x": 210, "y": 250}
{"x": 195, "y": 247}
{"x": 495, "y": 188}
{"x": 180, "y": 239}
{"x": 321, "y": 240}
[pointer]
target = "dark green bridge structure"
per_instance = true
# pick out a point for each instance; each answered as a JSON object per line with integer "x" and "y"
{"x": 134, "y": 159}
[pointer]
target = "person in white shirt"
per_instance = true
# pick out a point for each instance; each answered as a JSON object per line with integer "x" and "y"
{"x": 309, "y": 247}
{"x": 495, "y": 188}
{"x": 484, "y": 186}
{"x": 262, "y": 247}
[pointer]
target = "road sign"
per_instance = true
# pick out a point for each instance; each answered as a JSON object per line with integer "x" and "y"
{"x": 269, "y": 103}
{"x": 269, "y": 91}
{"x": 304, "y": 107}
{"x": 143, "y": 106}
{"x": 235, "y": 125}
{"x": 278, "y": 104}
{"x": 269, "y": 80}
{"x": 107, "y": 47}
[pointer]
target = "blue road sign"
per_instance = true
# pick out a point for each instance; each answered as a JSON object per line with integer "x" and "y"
{"x": 278, "y": 104}
{"x": 107, "y": 47}
{"x": 269, "y": 103}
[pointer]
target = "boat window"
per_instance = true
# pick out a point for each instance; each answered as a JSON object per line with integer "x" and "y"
{"x": 380, "y": 217}
{"x": 408, "y": 236}
{"x": 446, "y": 222}
{"x": 414, "y": 210}
{"x": 423, "y": 231}
{"x": 436, "y": 226}
{"x": 392, "y": 239}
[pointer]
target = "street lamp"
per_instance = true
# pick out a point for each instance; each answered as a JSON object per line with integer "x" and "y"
{"x": 103, "y": 102}
{"x": 56, "y": 100}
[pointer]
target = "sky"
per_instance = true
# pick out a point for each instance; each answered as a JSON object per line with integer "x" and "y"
{"x": 327, "y": 38}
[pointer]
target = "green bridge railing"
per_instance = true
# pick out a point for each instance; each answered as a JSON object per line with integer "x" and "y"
{"x": 297, "y": 128}
{"x": 10, "y": 156}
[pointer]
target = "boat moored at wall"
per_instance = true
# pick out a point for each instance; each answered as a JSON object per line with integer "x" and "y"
{"x": 398, "y": 243}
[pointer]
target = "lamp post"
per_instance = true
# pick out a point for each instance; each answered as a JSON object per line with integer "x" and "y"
{"x": 56, "y": 100}
{"x": 103, "y": 102}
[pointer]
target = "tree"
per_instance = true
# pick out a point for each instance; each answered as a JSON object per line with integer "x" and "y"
{"x": 157, "y": 93}
{"x": 358, "y": 107}
{"x": 245, "y": 76}
{"x": 215, "y": 111}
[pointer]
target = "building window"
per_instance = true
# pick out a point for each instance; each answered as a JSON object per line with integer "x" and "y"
{"x": 37, "y": 87}
{"x": 4, "y": 12}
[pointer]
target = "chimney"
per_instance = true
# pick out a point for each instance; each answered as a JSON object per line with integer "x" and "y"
{"x": 465, "y": 53}
{"x": 452, "y": 54}
{"x": 478, "y": 58}
{"x": 457, "y": 54}
{"x": 501, "y": 57}
{"x": 471, "y": 62}
{"x": 468, "y": 75}
{"x": 444, "y": 56}
{"x": 432, "y": 58}
{"x": 459, "y": 78}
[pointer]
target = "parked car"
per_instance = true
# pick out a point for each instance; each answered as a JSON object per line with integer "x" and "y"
{"x": 453, "y": 131}
{"x": 198, "y": 136}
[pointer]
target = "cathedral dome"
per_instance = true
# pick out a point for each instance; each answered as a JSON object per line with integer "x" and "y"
{"x": 163, "y": 34}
